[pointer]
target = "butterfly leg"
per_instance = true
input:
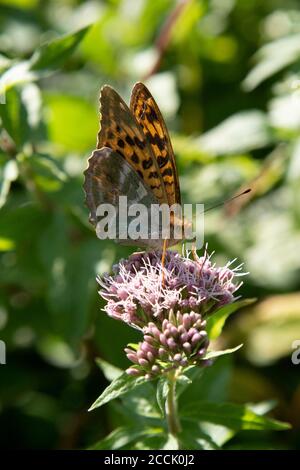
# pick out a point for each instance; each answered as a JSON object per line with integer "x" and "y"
{"x": 194, "y": 252}
{"x": 163, "y": 259}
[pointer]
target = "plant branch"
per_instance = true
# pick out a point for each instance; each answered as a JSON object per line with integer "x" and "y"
{"x": 164, "y": 38}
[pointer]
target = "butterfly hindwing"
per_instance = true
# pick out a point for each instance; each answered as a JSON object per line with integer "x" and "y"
{"x": 121, "y": 132}
{"x": 148, "y": 115}
{"x": 108, "y": 177}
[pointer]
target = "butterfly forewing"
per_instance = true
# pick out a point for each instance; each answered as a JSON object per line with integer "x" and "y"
{"x": 121, "y": 132}
{"x": 150, "y": 119}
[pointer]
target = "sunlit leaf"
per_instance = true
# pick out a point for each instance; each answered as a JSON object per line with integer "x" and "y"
{"x": 45, "y": 59}
{"x": 285, "y": 112}
{"x": 6, "y": 244}
{"x": 195, "y": 437}
{"x": 272, "y": 58}
{"x": 232, "y": 416}
{"x": 8, "y": 174}
{"x": 51, "y": 54}
{"x": 239, "y": 133}
{"x": 110, "y": 372}
{"x": 121, "y": 437}
{"x": 213, "y": 354}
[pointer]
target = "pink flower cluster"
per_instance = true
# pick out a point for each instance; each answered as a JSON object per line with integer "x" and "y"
{"x": 145, "y": 294}
{"x": 180, "y": 340}
{"x": 136, "y": 294}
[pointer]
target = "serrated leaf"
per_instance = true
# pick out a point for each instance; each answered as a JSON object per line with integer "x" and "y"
{"x": 216, "y": 321}
{"x": 232, "y": 416}
{"x": 118, "y": 387}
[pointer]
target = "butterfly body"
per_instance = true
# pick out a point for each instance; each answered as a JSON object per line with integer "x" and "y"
{"x": 134, "y": 159}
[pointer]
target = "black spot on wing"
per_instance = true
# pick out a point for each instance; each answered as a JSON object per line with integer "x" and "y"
{"x": 162, "y": 161}
{"x": 129, "y": 140}
{"x": 135, "y": 158}
{"x": 147, "y": 164}
{"x": 151, "y": 115}
{"x": 139, "y": 143}
{"x": 167, "y": 172}
{"x": 156, "y": 140}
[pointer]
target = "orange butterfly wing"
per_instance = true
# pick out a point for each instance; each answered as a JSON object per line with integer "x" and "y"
{"x": 122, "y": 133}
{"x": 148, "y": 115}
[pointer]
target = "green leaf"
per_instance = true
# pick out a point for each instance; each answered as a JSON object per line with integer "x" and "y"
{"x": 13, "y": 115}
{"x": 7, "y": 175}
{"x": 161, "y": 394}
{"x": 118, "y": 387}
{"x": 263, "y": 407}
{"x": 17, "y": 74}
{"x": 213, "y": 382}
{"x": 219, "y": 434}
{"x": 123, "y": 436}
{"x": 110, "y": 372}
{"x": 51, "y": 54}
{"x": 6, "y": 244}
{"x": 46, "y": 172}
{"x": 69, "y": 271}
{"x": 193, "y": 437}
{"x": 213, "y": 354}
{"x": 191, "y": 373}
{"x": 244, "y": 131}
{"x": 68, "y": 114}
{"x": 272, "y": 58}
{"x": 216, "y": 321}
{"x": 45, "y": 59}
{"x": 236, "y": 417}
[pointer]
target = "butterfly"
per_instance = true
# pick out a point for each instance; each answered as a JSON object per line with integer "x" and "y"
{"x": 134, "y": 158}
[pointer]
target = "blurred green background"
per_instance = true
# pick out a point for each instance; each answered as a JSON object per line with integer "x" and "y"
{"x": 226, "y": 76}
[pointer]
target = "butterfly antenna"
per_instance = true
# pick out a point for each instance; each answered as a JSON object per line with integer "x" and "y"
{"x": 219, "y": 204}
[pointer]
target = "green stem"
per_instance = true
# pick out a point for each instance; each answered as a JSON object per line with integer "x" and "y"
{"x": 171, "y": 406}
